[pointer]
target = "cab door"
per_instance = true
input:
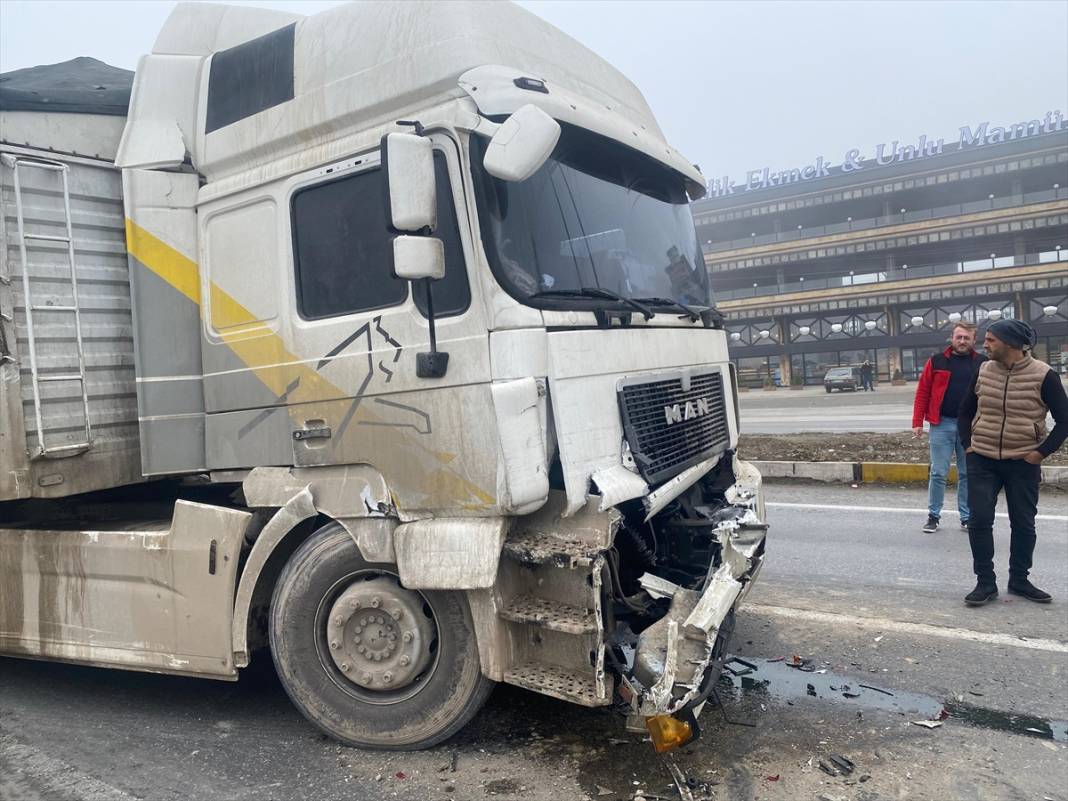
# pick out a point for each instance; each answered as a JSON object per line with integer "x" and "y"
{"x": 328, "y": 376}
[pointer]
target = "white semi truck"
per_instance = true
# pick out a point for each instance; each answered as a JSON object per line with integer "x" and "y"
{"x": 381, "y": 338}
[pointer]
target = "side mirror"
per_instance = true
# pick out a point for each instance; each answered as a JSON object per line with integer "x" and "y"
{"x": 522, "y": 144}
{"x": 417, "y": 257}
{"x": 408, "y": 161}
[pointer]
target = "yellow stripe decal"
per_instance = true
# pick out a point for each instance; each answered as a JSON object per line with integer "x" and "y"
{"x": 259, "y": 348}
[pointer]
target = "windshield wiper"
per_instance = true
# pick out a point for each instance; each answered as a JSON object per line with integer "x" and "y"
{"x": 595, "y": 292}
{"x": 690, "y": 312}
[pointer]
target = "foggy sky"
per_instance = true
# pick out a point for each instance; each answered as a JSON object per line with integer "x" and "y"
{"x": 735, "y": 85}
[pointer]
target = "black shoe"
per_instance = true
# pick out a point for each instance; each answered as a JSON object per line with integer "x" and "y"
{"x": 982, "y": 594}
{"x": 1025, "y": 589}
{"x": 931, "y": 526}
{"x": 964, "y": 524}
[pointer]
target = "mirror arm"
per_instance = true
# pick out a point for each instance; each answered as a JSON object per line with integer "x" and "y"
{"x": 435, "y": 363}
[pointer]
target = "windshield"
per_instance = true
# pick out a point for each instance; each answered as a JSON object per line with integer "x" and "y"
{"x": 597, "y": 215}
{"x": 840, "y": 372}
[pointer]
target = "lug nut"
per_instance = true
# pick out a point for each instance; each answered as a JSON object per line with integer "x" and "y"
{"x": 407, "y": 636}
{"x": 387, "y": 677}
{"x": 345, "y": 666}
{"x": 375, "y": 602}
{"x": 361, "y": 649}
{"x": 338, "y": 620}
{"x": 395, "y": 614}
{"x": 404, "y": 660}
{"x": 363, "y": 621}
{"x": 334, "y": 644}
{"x": 367, "y": 678}
{"x": 355, "y": 603}
{"x": 358, "y": 630}
{"x": 356, "y": 638}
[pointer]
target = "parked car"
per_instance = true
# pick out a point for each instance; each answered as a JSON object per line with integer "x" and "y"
{"x": 842, "y": 378}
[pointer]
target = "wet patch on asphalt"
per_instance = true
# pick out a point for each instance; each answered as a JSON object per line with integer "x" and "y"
{"x": 779, "y": 681}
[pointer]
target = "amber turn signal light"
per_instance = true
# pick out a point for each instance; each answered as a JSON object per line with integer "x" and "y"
{"x": 668, "y": 733}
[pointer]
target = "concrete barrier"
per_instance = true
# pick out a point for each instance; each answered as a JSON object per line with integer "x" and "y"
{"x": 878, "y": 472}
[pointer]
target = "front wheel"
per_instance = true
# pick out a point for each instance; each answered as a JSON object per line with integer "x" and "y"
{"x": 368, "y": 661}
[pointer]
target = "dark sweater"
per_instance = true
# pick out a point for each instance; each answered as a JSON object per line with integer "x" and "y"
{"x": 1053, "y": 396}
{"x": 961, "y": 369}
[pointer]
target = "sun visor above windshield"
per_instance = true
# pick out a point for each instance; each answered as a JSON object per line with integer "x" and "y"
{"x": 494, "y": 90}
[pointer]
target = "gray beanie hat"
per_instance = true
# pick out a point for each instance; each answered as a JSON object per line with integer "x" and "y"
{"x": 1014, "y": 333}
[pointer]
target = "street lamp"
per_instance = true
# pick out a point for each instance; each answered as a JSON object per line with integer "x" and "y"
{"x": 916, "y": 320}
{"x": 804, "y": 330}
{"x": 735, "y": 336}
{"x": 992, "y": 257}
{"x": 954, "y": 317}
{"x": 1049, "y": 311}
{"x": 870, "y": 324}
{"x": 764, "y": 334}
{"x": 851, "y": 278}
{"x": 836, "y": 328}
{"x": 994, "y": 314}
{"x": 1058, "y": 249}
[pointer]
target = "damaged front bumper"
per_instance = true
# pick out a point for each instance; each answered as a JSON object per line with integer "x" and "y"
{"x": 679, "y": 657}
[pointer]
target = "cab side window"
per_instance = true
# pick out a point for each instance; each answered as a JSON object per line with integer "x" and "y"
{"x": 343, "y": 249}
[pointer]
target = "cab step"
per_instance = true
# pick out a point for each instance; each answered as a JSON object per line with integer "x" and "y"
{"x": 558, "y": 682}
{"x": 539, "y": 548}
{"x": 553, "y": 615}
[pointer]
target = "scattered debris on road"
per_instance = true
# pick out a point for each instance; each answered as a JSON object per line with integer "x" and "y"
{"x": 927, "y": 724}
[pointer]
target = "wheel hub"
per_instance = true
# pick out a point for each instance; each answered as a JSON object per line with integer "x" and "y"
{"x": 378, "y": 635}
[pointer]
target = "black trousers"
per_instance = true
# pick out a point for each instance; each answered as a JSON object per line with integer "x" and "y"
{"x": 986, "y": 478}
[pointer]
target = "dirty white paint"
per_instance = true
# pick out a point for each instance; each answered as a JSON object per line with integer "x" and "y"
{"x": 618, "y": 484}
{"x": 449, "y": 554}
{"x": 524, "y": 463}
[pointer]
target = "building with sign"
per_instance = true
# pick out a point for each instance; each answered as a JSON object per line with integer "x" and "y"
{"x": 875, "y": 255}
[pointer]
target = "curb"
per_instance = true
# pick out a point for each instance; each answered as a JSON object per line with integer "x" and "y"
{"x": 877, "y": 472}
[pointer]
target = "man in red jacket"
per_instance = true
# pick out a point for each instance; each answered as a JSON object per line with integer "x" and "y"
{"x": 943, "y": 384}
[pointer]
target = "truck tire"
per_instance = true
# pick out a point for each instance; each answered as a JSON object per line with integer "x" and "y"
{"x": 368, "y": 661}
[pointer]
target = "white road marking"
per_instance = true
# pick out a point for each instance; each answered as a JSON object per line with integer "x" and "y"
{"x": 883, "y": 624}
{"x": 824, "y": 507}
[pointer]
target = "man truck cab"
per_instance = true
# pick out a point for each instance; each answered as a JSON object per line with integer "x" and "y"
{"x": 428, "y": 374}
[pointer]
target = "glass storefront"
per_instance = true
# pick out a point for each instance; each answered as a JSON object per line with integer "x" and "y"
{"x": 813, "y": 366}
{"x": 1054, "y": 352}
{"x": 753, "y": 370}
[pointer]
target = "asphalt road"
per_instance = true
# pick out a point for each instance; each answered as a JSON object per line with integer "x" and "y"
{"x": 787, "y": 411}
{"x": 850, "y": 582}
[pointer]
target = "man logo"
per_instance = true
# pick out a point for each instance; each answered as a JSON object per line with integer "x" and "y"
{"x": 687, "y": 411}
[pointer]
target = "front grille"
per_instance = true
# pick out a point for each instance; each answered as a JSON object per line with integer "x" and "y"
{"x": 669, "y": 429}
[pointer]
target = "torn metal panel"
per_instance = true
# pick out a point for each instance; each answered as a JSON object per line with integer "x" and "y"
{"x": 618, "y": 484}
{"x": 716, "y": 602}
{"x": 139, "y": 595}
{"x": 524, "y": 469}
{"x": 658, "y": 587}
{"x": 338, "y": 491}
{"x": 591, "y": 526}
{"x": 298, "y": 508}
{"x": 655, "y": 501}
{"x": 449, "y": 554}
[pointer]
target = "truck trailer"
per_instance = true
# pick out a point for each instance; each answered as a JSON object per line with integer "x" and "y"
{"x": 381, "y": 340}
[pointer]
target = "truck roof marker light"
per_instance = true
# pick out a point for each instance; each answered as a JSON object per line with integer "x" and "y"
{"x": 531, "y": 85}
{"x": 668, "y": 733}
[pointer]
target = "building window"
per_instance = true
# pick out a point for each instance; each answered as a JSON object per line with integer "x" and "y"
{"x": 343, "y": 249}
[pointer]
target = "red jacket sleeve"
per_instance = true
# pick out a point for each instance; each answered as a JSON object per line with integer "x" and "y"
{"x": 923, "y": 395}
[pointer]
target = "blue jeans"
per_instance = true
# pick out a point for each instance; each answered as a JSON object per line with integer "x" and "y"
{"x": 944, "y": 441}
